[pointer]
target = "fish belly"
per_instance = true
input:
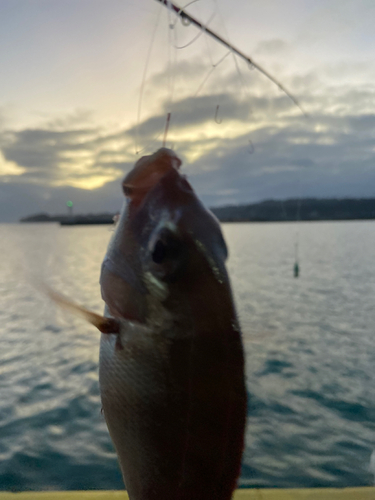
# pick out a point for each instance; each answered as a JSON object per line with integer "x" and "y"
{"x": 176, "y": 414}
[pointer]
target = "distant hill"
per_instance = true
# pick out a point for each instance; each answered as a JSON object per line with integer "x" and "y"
{"x": 305, "y": 209}
{"x": 71, "y": 220}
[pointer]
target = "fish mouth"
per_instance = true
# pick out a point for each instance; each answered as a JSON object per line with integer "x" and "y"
{"x": 147, "y": 173}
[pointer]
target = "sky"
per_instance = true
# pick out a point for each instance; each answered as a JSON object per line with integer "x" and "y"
{"x": 86, "y": 85}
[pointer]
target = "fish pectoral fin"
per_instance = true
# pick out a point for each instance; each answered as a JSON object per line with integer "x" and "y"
{"x": 102, "y": 323}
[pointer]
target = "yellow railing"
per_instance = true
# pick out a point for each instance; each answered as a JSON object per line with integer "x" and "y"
{"x": 366, "y": 493}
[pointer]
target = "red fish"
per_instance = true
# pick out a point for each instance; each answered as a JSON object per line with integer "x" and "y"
{"x": 172, "y": 371}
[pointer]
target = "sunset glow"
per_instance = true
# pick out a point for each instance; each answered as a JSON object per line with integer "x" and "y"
{"x": 74, "y": 111}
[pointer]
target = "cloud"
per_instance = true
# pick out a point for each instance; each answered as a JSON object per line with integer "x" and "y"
{"x": 9, "y": 168}
{"x": 80, "y": 157}
{"x": 42, "y": 149}
{"x": 273, "y": 46}
{"x": 263, "y": 147}
{"x": 194, "y": 112}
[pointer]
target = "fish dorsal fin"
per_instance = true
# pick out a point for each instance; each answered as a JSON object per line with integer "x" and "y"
{"x": 147, "y": 172}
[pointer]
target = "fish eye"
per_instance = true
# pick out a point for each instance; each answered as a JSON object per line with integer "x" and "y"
{"x": 159, "y": 253}
{"x": 167, "y": 247}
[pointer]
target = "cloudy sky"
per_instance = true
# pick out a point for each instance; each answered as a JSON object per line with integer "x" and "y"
{"x": 85, "y": 87}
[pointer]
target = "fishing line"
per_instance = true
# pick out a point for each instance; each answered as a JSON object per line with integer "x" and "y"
{"x": 245, "y": 88}
{"x": 243, "y": 84}
{"x": 171, "y": 80}
{"x": 141, "y": 91}
{"x": 186, "y": 20}
{"x": 172, "y": 69}
{"x": 296, "y": 267}
{"x": 166, "y": 129}
{"x": 200, "y": 33}
{"x": 172, "y": 62}
{"x": 284, "y": 210}
{"x": 169, "y": 72}
{"x": 151, "y": 143}
{"x": 204, "y": 29}
{"x": 208, "y": 49}
{"x": 173, "y": 44}
{"x": 172, "y": 55}
{"x": 235, "y": 52}
{"x": 214, "y": 66}
{"x": 185, "y": 16}
{"x": 296, "y": 261}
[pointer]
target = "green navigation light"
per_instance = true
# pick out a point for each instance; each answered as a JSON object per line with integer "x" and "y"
{"x": 69, "y": 204}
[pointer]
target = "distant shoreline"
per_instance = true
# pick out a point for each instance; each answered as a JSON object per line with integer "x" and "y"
{"x": 292, "y": 210}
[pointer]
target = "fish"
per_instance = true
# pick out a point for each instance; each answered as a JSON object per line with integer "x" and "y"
{"x": 172, "y": 379}
{"x": 171, "y": 363}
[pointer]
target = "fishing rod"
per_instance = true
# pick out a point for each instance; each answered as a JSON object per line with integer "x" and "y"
{"x": 185, "y": 17}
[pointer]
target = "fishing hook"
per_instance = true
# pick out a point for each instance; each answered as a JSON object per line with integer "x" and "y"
{"x": 217, "y": 120}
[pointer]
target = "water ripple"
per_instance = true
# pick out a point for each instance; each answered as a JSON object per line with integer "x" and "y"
{"x": 310, "y": 354}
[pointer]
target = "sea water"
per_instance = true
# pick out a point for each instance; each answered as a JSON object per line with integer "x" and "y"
{"x": 309, "y": 341}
